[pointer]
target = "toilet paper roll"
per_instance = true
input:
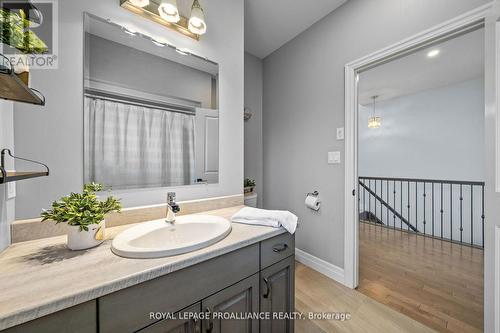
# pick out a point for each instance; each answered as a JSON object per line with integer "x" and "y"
{"x": 313, "y": 202}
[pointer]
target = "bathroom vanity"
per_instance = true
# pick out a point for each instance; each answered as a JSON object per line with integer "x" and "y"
{"x": 250, "y": 271}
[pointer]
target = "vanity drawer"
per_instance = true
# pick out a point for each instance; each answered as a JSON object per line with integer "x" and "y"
{"x": 128, "y": 310}
{"x": 77, "y": 319}
{"x": 275, "y": 249}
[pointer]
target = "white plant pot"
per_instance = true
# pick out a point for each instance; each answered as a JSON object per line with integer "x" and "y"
{"x": 81, "y": 240}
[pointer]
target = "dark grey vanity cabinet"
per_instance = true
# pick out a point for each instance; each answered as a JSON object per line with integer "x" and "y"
{"x": 238, "y": 300}
{"x": 277, "y": 296}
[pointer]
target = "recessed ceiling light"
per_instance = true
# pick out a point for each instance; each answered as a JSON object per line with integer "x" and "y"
{"x": 433, "y": 53}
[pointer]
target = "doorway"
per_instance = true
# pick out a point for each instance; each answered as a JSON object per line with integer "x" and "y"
{"x": 418, "y": 214}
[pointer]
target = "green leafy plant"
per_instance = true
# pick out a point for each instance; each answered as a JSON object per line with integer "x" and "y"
{"x": 82, "y": 209}
{"x": 249, "y": 182}
{"x": 14, "y": 31}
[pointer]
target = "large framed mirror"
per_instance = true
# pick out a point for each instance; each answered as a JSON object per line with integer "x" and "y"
{"x": 151, "y": 114}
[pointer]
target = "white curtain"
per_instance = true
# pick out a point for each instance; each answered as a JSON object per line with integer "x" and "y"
{"x": 128, "y": 146}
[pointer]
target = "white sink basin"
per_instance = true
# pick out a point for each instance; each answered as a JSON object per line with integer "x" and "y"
{"x": 158, "y": 238}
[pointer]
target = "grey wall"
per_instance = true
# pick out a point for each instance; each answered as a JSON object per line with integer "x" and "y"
{"x": 127, "y": 67}
{"x": 253, "y": 127}
{"x": 54, "y": 134}
{"x": 7, "y": 206}
{"x": 432, "y": 134}
{"x": 304, "y": 103}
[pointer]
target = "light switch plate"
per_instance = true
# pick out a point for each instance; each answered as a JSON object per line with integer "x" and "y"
{"x": 340, "y": 133}
{"x": 333, "y": 157}
{"x": 11, "y": 190}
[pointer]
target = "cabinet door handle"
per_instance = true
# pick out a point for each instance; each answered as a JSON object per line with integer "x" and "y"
{"x": 280, "y": 248}
{"x": 268, "y": 288}
{"x": 210, "y": 321}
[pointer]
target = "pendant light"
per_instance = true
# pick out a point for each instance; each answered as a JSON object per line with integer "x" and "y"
{"x": 374, "y": 121}
{"x": 196, "y": 22}
{"x": 139, "y": 3}
{"x": 168, "y": 11}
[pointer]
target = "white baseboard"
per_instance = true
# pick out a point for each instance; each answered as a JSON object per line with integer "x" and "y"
{"x": 333, "y": 272}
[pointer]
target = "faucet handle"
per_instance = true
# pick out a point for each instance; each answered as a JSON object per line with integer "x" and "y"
{"x": 170, "y": 197}
{"x": 171, "y": 202}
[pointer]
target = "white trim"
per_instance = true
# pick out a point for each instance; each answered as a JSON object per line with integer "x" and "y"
{"x": 333, "y": 272}
{"x": 497, "y": 111}
{"x": 496, "y": 255}
{"x": 351, "y": 69}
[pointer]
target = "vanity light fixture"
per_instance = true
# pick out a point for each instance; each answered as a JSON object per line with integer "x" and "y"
{"x": 139, "y": 3}
{"x": 168, "y": 11}
{"x": 433, "y": 53}
{"x": 374, "y": 121}
{"x": 196, "y": 22}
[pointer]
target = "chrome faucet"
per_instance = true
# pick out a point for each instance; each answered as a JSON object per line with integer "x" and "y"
{"x": 172, "y": 207}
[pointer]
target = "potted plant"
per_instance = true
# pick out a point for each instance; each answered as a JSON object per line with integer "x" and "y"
{"x": 249, "y": 185}
{"x": 84, "y": 213}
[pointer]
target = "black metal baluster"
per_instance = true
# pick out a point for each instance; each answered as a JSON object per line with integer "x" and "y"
{"x": 359, "y": 201}
{"x": 394, "y": 201}
{"x": 442, "y": 211}
{"x": 364, "y": 199}
{"x": 387, "y": 197}
{"x": 482, "y": 213}
{"x": 461, "y": 210}
{"x": 471, "y": 215}
{"x": 424, "y": 207}
{"x": 375, "y": 202}
{"x": 451, "y": 211}
{"x": 432, "y": 209}
{"x": 416, "y": 205}
{"x": 408, "y": 205}
{"x": 369, "y": 201}
{"x": 401, "y": 204}
{"x": 381, "y": 197}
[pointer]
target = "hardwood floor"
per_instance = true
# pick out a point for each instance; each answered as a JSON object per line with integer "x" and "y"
{"x": 437, "y": 283}
{"x": 317, "y": 293}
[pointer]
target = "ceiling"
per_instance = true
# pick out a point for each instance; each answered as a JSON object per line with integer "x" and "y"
{"x": 270, "y": 24}
{"x": 460, "y": 59}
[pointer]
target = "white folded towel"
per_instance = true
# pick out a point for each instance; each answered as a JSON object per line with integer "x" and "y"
{"x": 271, "y": 218}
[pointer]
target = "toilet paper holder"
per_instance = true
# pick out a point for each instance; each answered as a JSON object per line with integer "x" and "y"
{"x": 314, "y": 194}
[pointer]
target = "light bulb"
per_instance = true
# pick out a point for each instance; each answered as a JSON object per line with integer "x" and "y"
{"x": 168, "y": 11}
{"x": 196, "y": 22}
{"x": 139, "y": 3}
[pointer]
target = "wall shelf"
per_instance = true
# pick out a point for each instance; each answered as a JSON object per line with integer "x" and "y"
{"x": 12, "y": 176}
{"x": 13, "y": 88}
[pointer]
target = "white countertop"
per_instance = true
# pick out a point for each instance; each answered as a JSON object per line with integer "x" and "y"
{"x": 42, "y": 276}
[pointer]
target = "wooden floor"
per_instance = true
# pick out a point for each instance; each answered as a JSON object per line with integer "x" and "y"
{"x": 317, "y": 293}
{"x": 437, "y": 283}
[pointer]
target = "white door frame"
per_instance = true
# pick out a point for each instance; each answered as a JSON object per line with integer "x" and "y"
{"x": 424, "y": 39}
